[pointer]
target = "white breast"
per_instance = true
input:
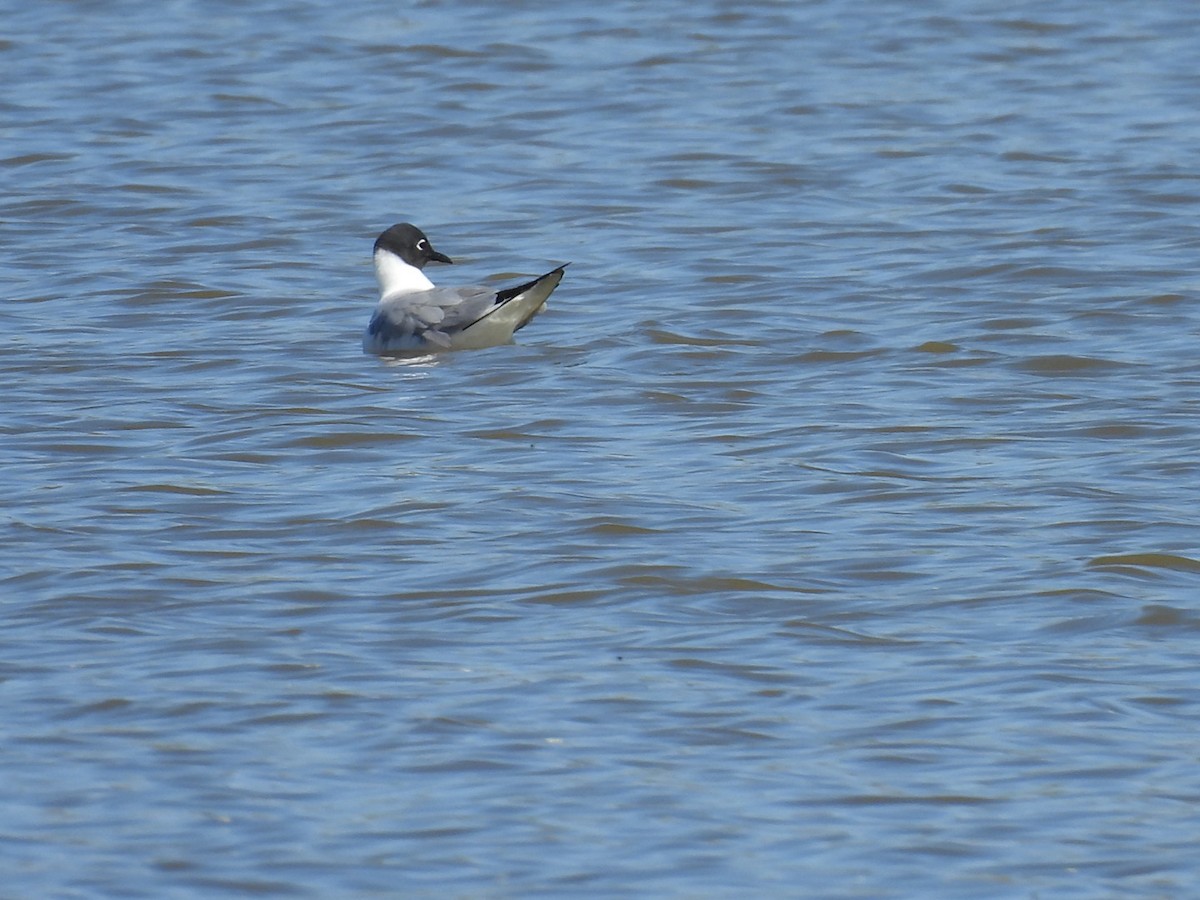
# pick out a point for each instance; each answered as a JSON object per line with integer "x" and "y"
{"x": 395, "y": 276}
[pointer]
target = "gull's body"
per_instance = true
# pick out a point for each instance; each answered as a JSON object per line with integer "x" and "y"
{"x": 414, "y": 316}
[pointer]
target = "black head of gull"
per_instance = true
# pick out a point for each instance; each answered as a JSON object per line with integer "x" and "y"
{"x": 410, "y": 244}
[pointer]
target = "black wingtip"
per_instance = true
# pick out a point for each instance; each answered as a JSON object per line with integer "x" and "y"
{"x": 508, "y": 293}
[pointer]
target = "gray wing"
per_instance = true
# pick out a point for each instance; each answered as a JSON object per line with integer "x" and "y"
{"x": 431, "y": 315}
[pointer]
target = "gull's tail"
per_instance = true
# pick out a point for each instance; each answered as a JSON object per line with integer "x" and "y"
{"x": 521, "y": 303}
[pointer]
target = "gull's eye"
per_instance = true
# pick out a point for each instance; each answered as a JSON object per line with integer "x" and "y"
{"x": 422, "y": 244}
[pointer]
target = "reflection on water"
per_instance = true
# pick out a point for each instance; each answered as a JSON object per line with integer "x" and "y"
{"x": 834, "y": 526}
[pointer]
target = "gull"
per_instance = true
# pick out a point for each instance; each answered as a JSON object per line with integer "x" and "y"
{"x": 414, "y": 316}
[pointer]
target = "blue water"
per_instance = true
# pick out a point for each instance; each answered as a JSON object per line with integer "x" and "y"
{"x": 832, "y": 534}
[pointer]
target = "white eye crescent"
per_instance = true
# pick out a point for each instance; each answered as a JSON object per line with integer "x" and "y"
{"x": 422, "y": 244}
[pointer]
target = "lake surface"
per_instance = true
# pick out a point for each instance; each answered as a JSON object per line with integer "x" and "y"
{"x": 835, "y": 532}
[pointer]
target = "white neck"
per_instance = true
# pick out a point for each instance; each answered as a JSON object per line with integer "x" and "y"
{"x": 395, "y": 276}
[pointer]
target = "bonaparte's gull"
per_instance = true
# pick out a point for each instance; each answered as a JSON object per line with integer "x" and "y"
{"x": 413, "y": 316}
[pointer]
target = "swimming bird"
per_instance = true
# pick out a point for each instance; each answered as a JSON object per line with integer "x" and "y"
{"x": 413, "y": 316}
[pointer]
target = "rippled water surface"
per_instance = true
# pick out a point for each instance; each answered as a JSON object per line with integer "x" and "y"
{"x": 833, "y": 534}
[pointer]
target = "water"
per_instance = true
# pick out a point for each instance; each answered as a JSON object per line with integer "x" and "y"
{"x": 833, "y": 534}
